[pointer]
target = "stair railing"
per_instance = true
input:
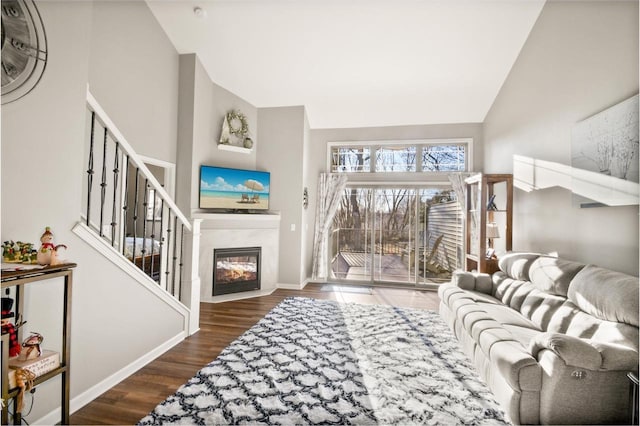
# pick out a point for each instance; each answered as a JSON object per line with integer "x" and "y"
{"x": 130, "y": 210}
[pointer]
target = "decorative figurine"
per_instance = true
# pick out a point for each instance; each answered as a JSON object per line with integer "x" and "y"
{"x": 9, "y": 328}
{"x": 32, "y": 344}
{"x": 9, "y": 251}
{"x": 47, "y": 255}
{"x": 27, "y": 252}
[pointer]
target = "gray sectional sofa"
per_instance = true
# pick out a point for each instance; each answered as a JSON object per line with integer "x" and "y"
{"x": 553, "y": 339}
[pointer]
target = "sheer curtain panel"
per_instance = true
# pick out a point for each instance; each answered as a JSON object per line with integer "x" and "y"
{"x": 330, "y": 188}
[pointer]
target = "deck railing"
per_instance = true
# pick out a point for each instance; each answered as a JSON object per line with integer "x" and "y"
{"x": 426, "y": 253}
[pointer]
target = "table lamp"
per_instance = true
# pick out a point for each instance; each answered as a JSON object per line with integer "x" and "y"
{"x": 492, "y": 232}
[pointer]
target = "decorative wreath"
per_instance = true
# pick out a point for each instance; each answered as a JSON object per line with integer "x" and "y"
{"x": 237, "y": 123}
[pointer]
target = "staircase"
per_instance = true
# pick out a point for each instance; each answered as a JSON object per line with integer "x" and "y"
{"x": 132, "y": 221}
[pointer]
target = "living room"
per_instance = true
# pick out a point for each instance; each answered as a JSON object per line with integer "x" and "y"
{"x": 578, "y": 59}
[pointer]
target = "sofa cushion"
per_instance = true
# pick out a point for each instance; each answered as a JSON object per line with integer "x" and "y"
{"x": 449, "y": 293}
{"x": 516, "y": 264}
{"x": 553, "y": 275}
{"x": 472, "y": 281}
{"x": 606, "y": 294}
{"x": 507, "y": 316}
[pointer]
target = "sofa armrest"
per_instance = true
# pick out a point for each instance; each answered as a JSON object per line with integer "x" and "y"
{"x": 472, "y": 281}
{"x": 583, "y": 353}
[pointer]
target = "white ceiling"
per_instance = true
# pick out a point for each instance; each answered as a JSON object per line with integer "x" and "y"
{"x": 357, "y": 63}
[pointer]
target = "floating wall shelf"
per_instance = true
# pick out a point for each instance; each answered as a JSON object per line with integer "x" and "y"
{"x": 234, "y": 148}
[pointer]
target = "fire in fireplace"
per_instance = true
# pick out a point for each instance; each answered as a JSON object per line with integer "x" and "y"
{"x": 236, "y": 270}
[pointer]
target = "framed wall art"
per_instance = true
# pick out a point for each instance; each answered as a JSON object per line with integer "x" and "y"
{"x": 607, "y": 143}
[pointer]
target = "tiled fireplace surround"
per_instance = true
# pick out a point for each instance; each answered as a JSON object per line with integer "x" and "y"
{"x": 239, "y": 230}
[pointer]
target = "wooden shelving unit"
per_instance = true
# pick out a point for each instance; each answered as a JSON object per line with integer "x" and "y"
{"x": 480, "y": 188}
{"x": 20, "y": 279}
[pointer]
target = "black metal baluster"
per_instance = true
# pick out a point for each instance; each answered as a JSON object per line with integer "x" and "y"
{"x": 90, "y": 166}
{"x": 103, "y": 182}
{"x": 125, "y": 208}
{"x": 153, "y": 234}
{"x": 144, "y": 224}
{"x": 166, "y": 271}
{"x": 135, "y": 217}
{"x": 181, "y": 260}
{"x": 161, "y": 241}
{"x": 175, "y": 242}
{"x": 116, "y": 171}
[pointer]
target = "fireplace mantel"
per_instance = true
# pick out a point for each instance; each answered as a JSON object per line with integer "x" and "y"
{"x": 238, "y": 220}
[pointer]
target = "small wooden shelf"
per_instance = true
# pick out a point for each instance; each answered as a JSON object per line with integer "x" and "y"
{"x": 40, "y": 379}
{"x": 234, "y": 148}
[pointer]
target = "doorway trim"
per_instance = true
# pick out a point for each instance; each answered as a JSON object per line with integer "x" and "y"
{"x": 169, "y": 173}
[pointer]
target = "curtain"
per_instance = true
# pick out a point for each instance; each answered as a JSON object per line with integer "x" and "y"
{"x": 330, "y": 188}
{"x": 460, "y": 188}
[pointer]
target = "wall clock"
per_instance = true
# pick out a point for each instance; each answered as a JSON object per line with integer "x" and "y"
{"x": 24, "y": 48}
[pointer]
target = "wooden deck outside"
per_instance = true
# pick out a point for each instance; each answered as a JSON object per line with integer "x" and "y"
{"x": 387, "y": 267}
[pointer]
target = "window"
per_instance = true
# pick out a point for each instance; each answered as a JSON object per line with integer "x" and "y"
{"x": 396, "y": 159}
{"x": 443, "y": 158}
{"x": 345, "y": 159}
{"x": 430, "y": 156}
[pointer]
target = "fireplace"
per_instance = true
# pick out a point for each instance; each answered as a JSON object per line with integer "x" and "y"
{"x": 236, "y": 270}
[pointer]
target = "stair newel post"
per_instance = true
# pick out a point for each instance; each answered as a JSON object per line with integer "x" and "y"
{"x": 125, "y": 205}
{"x": 103, "y": 181}
{"x": 90, "y": 166}
{"x": 190, "y": 280}
{"x": 116, "y": 174}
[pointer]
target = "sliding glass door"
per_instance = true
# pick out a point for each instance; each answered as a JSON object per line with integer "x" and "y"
{"x": 404, "y": 235}
{"x": 394, "y": 219}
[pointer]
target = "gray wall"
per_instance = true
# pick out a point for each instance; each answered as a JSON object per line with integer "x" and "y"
{"x": 308, "y": 214}
{"x": 114, "y": 321}
{"x": 203, "y": 105}
{"x": 281, "y": 142}
{"x": 580, "y": 58}
{"x": 132, "y": 59}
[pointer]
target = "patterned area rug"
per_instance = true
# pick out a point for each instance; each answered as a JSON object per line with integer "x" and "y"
{"x": 320, "y": 362}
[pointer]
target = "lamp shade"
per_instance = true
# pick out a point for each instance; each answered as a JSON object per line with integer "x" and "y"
{"x": 492, "y": 230}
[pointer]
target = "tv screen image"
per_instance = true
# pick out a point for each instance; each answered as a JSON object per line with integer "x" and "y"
{"x": 233, "y": 189}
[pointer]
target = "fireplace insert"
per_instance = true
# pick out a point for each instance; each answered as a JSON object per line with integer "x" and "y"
{"x": 236, "y": 270}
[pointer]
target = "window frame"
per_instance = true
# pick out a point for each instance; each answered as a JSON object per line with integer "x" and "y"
{"x": 419, "y": 173}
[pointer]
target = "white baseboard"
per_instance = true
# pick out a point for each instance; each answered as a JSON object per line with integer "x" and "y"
{"x": 289, "y": 286}
{"x": 238, "y": 296}
{"x": 95, "y": 391}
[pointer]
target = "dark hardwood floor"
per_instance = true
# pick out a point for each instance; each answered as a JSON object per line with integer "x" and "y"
{"x": 220, "y": 324}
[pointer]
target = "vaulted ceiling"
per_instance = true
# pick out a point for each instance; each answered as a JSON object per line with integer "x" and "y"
{"x": 356, "y": 63}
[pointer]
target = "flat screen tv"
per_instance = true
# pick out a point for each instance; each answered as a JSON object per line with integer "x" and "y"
{"x": 233, "y": 189}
